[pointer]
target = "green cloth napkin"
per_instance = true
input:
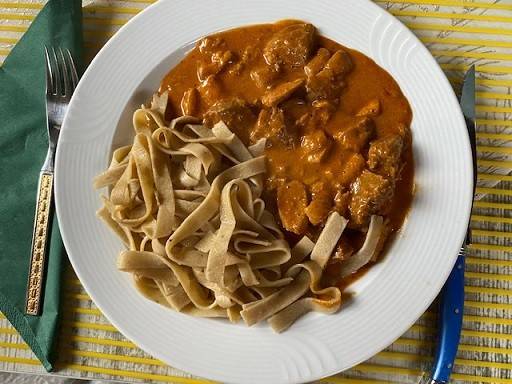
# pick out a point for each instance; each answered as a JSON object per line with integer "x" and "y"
{"x": 23, "y": 146}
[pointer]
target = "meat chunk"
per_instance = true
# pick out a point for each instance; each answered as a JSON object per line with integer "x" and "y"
{"x": 318, "y": 210}
{"x": 319, "y": 116}
{"x": 235, "y": 112}
{"x": 189, "y": 102}
{"x": 281, "y": 92}
{"x": 321, "y": 204}
{"x": 249, "y": 54}
{"x": 317, "y": 63}
{"x": 292, "y": 201}
{"x": 316, "y": 146}
{"x": 290, "y": 46}
{"x": 219, "y": 61}
{"x": 323, "y": 110}
{"x": 351, "y": 170}
{"x": 384, "y": 155}
{"x": 343, "y": 250}
{"x": 322, "y": 86}
{"x": 405, "y": 132}
{"x": 371, "y": 109}
{"x": 222, "y": 58}
{"x": 341, "y": 202}
{"x": 209, "y": 44}
{"x": 273, "y": 183}
{"x": 206, "y": 69}
{"x": 210, "y": 90}
{"x": 371, "y": 194}
{"x": 339, "y": 65}
{"x": 265, "y": 76}
{"x": 328, "y": 82}
{"x": 271, "y": 125}
{"x": 356, "y": 136}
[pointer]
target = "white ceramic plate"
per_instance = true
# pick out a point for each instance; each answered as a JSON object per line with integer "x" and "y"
{"x": 387, "y": 300}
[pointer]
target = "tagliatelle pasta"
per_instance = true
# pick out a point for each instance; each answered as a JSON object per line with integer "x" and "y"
{"x": 186, "y": 202}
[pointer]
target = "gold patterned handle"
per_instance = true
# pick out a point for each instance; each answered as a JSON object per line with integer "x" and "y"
{"x": 39, "y": 241}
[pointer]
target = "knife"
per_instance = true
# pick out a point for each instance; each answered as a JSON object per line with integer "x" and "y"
{"x": 452, "y": 295}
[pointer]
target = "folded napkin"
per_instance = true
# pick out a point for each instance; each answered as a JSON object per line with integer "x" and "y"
{"x": 23, "y": 146}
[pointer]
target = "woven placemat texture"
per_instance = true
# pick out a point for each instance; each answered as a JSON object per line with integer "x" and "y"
{"x": 458, "y": 33}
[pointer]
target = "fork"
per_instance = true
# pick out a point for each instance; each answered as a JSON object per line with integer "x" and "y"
{"x": 61, "y": 81}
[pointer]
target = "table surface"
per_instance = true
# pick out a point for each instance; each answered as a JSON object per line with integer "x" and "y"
{"x": 458, "y": 33}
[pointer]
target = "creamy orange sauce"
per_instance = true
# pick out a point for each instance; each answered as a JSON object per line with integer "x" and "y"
{"x": 364, "y": 83}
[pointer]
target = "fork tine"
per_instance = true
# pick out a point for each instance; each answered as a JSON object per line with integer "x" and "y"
{"x": 48, "y": 70}
{"x": 65, "y": 75}
{"x": 74, "y": 74}
{"x": 56, "y": 77}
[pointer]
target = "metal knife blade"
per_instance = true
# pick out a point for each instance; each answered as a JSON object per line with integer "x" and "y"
{"x": 467, "y": 98}
{"x": 452, "y": 295}
{"x": 467, "y": 104}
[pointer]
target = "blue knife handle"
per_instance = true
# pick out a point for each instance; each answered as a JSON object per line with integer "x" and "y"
{"x": 450, "y": 321}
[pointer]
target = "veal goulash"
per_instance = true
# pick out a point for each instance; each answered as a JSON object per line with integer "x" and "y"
{"x": 337, "y": 125}
{"x": 271, "y": 168}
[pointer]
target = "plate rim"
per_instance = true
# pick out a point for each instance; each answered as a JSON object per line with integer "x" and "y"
{"x": 60, "y": 186}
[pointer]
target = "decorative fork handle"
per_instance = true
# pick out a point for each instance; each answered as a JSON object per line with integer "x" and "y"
{"x": 39, "y": 241}
{"x": 61, "y": 81}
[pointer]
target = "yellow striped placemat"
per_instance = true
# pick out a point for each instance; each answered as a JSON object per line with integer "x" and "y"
{"x": 458, "y": 33}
